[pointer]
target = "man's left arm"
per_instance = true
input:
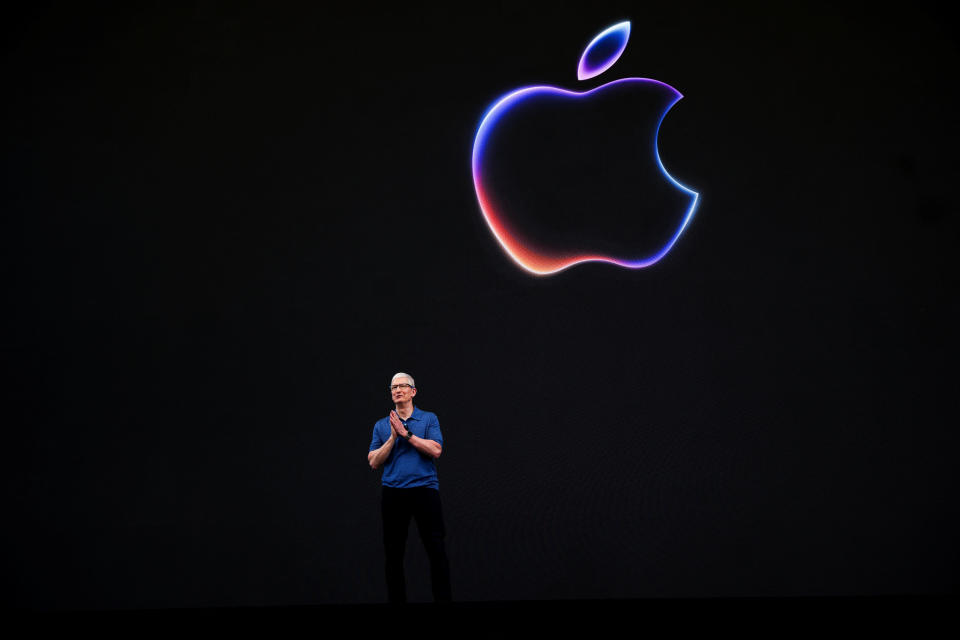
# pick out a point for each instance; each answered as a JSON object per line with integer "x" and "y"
{"x": 426, "y": 446}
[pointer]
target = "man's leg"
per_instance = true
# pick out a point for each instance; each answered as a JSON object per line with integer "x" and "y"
{"x": 396, "y": 512}
{"x": 429, "y": 517}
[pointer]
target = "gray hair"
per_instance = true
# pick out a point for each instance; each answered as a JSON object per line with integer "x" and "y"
{"x": 404, "y": 375}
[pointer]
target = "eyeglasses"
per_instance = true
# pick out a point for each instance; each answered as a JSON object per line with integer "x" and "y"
{"x": 394, "y": 387}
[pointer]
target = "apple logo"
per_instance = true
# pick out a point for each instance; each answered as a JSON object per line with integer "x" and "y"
{"x": 564, "y": 177}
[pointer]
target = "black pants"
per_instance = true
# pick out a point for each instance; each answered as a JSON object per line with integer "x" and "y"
{"x": 423, "y": 503}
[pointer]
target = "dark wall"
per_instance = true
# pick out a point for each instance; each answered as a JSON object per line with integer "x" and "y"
{"x": 226, "y": 227}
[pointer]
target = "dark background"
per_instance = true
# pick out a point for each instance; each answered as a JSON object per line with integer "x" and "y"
{"x": 226, "y": 226}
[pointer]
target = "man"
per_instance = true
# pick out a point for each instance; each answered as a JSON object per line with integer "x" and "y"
{"x": 406, "y": 443}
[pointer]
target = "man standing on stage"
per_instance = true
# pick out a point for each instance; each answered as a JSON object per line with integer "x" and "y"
{"x": 406, "y": 443}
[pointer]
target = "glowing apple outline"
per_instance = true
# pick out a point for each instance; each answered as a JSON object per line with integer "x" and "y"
{"x": 537, "y": 262}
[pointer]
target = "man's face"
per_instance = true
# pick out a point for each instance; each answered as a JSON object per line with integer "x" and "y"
{"x": 401, "y": 390}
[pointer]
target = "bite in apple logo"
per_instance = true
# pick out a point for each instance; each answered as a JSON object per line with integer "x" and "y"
{"x": 564, "y": 177}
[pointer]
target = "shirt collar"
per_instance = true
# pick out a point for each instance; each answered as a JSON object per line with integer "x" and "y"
{"x": 413, "y": 416}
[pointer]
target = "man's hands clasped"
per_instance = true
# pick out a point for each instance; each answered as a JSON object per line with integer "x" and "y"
{"x": 396, "y": 425}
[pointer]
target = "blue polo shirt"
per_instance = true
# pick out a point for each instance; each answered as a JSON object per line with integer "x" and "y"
{"x": 405, "y": 466}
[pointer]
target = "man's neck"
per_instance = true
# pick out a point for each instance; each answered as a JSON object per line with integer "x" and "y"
{"x": 405, "y": 410}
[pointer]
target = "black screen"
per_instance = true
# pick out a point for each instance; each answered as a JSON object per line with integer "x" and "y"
{"x": 226, "y": 227}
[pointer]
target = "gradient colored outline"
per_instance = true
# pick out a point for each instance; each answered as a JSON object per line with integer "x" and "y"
{"x": 622, "y": 29}
{"x": 544, "y": 264}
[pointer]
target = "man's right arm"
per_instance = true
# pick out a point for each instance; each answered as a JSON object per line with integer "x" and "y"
{"x": 377, "y": 457}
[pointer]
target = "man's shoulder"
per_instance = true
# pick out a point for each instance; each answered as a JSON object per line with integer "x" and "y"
{"x": 421, "y": 414}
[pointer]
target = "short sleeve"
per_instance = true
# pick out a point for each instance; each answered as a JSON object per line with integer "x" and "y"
{"x": 433, "y": 430}
{"x": 376, "y": 442}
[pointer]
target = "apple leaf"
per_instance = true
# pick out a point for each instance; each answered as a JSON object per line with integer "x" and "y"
{"x": 603, "y": 50}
